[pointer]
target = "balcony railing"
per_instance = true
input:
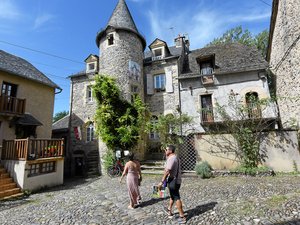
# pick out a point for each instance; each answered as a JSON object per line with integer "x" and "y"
{"x": 12, "y": 105}
{"x": 207, "y": 116}
{"x": 30, "y": 149}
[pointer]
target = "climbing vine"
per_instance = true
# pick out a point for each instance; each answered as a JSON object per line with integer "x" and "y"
{"x": 118, "y": 122}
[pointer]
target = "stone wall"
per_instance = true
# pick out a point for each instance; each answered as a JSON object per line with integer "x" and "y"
{"x": 281, "y": 148}
{"x": 285, "y": 61}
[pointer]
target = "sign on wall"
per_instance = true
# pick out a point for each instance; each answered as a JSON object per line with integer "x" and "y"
{"x": 134, "y": 70}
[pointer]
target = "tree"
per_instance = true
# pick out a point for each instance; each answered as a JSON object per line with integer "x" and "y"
{"x": 119, "y": 122}
{"x": 169, "y": 127}
{"x": 60, "y": 115}
{"x": 238, "y": 35}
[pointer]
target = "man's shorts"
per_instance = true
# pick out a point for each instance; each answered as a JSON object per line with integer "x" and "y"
{"x": 174, "y": 192}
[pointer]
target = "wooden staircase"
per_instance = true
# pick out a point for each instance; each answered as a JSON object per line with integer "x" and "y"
{"x": 8, "y": 188}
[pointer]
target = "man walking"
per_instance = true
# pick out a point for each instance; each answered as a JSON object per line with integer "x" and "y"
{"x": 173, "y": 176}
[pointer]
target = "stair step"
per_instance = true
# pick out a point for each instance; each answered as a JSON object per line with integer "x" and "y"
{"x": 4, "y": 175}
{"x": 12, "y": 196}
{"x": 9, "y": 192}
{"x": 5, "y": 187}
{"x": 154, "y": 162}
{"x": 157, "y": 172}
{"x": 2, "y": 170}
{"x": 6, "y": 180}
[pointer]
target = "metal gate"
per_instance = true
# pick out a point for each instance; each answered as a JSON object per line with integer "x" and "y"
{"x": 187, "y": 153}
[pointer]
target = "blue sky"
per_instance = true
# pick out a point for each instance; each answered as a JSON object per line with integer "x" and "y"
{"x": 66, "y": 29}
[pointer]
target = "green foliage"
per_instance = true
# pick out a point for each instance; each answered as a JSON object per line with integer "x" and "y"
{"x": 245, "y": 123}
{"x": 295, "y": 167}
{"x": 238, "y": 35}
{"x": 250, "y": 170}
{"x": 59, "y": 116}
{"x": 204, "y": 170}
{"x": 169, "y": 127}
{"x": 108, "y": 159}
{"x": 118, "y": 122}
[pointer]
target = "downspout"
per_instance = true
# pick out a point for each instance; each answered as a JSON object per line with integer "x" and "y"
{"x": 69, "y": 128}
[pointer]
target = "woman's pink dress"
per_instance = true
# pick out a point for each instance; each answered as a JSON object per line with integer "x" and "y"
{"x": 132, "y": 185}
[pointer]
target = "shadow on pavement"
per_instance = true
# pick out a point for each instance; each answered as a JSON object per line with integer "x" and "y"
{"x": 152, "y": 202}
{"x": 290, "y": 222}
{"x": 200, "y": 209}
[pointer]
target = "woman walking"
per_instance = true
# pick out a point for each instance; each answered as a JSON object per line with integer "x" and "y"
{"x": 134, "y": 176}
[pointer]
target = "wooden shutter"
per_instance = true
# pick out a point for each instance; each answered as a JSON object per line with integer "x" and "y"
{"x": 169, "y": 80}
{"x": 150, "y": 90}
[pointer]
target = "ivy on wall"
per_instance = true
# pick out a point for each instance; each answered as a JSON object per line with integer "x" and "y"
{"x": 118, "y": 122}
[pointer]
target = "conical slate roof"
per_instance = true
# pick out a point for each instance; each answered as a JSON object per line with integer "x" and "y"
{"x": 121, "y": 19}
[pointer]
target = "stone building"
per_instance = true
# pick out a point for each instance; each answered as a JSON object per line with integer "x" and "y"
{"x": 170, "y": 79}
{"x": 284, "y": 58}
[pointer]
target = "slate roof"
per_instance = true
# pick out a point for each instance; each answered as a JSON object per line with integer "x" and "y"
{"x": 121, "y": 19}
{"x": 20, "y": 67}
{"x": 229, "y": 58}
{"x": 63, "y": 123}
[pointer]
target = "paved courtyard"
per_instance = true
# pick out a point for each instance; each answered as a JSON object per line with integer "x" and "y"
{"x": 221, "y": 200}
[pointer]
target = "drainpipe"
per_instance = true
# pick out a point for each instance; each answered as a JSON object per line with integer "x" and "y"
{"x": 69, "y": 129}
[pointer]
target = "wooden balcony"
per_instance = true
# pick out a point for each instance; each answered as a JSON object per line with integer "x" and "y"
{"x": 12, "y": 105}
{"x": 32, "y": 149}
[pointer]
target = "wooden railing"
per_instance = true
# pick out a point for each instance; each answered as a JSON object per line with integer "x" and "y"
{"x": 30, "y": 149}
{"x": 12, "y": 105}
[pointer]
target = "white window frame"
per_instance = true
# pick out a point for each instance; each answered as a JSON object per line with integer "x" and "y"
{"x": 88, "y": 67}
{"x": 158, "y": 56}
{"x": 90, "y": 132}
{"x": 152, "y": 134}
{"x": 89, "y": 94}
{"x": 159, "y": 82}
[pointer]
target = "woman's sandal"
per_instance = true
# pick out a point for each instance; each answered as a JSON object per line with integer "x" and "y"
{"x": 169, "y": 213}
{"x": 181, "y": 220}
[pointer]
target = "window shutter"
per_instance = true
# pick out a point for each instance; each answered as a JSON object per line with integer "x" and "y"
{"x": 150, "y": 87}
{"x": 169, "y": 81}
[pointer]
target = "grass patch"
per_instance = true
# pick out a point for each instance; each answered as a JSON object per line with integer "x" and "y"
{"x": 276, "y": 200}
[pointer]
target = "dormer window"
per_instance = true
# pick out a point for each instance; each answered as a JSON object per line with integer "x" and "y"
{"x": 91, "y": 67}
{"x": 206, "y": 68}
{"x": 110, "y": 39}
{"x": 157, "y": 53}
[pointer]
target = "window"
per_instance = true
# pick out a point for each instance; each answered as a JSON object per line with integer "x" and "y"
{"x": 159, "y": 82}
{"x": 207, "y": 114}
{"x": 90, "y": 132}
{"x": 110, "y": 39}
{"x": 90, "y": 94}
{"x": 9, "y": 89}
{"x": 153, "y": 135}
{"x": 206, "y": 68}
{"x": 91, "y": 67}
{"x": 253, "y": 105}
{"x": 157, "y": 53}
{"x": 41, "y": 168}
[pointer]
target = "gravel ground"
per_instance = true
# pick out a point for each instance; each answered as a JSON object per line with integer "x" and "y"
{"x": 221, "y": 200}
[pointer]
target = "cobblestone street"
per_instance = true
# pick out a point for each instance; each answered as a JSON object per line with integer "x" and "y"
{"x": 221, "y": 200}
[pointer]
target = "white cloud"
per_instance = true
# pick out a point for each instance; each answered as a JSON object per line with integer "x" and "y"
{"x": 8, "y": 10}
{"x": 42, "y": 19}
{"x": 202, "y": 24}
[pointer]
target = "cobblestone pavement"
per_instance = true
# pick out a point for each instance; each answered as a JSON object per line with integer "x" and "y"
{"x": 221, "y": 200}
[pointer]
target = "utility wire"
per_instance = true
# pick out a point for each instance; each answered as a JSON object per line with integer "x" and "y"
{"x": 265, "y": 2}
{"x": 41, "y": 52}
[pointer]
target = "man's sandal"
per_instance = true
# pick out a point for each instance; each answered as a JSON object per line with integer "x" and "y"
{"x": 169, "y": 213}
{"x": 181, "y": 220}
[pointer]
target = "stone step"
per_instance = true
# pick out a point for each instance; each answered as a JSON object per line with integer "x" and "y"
{"x": 8, "y": 186}
{"x": 147, "y": 167}
{"x": 153, "y": 172}
{"x": 9, "y": 192}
